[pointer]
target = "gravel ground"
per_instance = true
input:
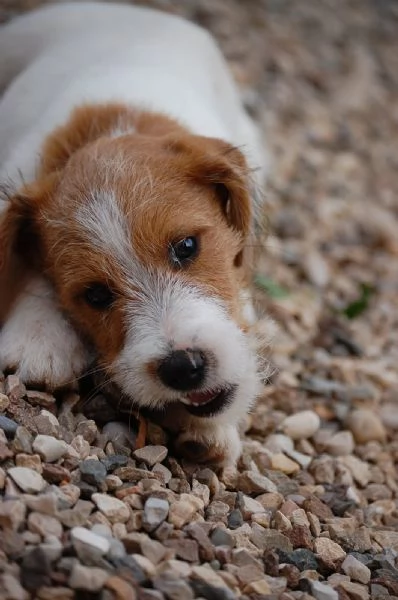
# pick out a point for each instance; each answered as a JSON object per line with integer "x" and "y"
{"x": 313, "y": 511}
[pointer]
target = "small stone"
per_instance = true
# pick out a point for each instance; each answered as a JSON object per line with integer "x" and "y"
{"x": 4, "y": 402}
{"x": 12, "y": 588}
{"x": 91, "y": 579}
{"x": 280, "y": 462}
{"x": 340, "y": 444}
{"x": 8, "y": 426}
{"x": 162, "y": 472}
{"x": 28, "y": 480}
{"x": 366, "y": 426}
{"x": 47, "y": 424}
{"x": 122, "y": 589}
{"x": 35, "y": 570}
{"x": 12, "y": 514}
{"x": 269, "y": 539}
{"x": 221, "y": 537}
{"x": 185, "y": 549}
{"x": 113, "y": 483}
{"x": 249, "y": 506}
{"x": 355, "y": 569}
{"x": 32, "y": 461}
{"x": 55, "y": 473}
{"x": 87, "y": 429}
{"x": 235, "y": 519}
{"x": 301, "y": 558}
{"x": 92, "y": 471}
{"x": 182, "y": 511}
{"x": 151, "y": 455}
{"x": 318, "y": 508}
{"x": 208, "y": 584}
{"x": 89, "y": 546}
{"x": 155, "y": 512}
{"x": 173, "y": 586}
{"x": 115, "y": 510}
{"x": 355, "y": 591}
{"x": 258, "y": 587}
{"x": 55, "y": 593}
{"x": 300, "y": 536}
{"x": 5, "y": 452}
{"x": 52, "y": 548}
{"x": 330, "y": 553}
{"x": 45, "y": 525}
{"x": 251, "y": 482}
{"x": 14, "y": 388}
{"x": 301, "y": 425}
{"x": 49, "y": 448}
{"x": 277, "y": 443}
{"x": 114, "y": 461}
{"x": 209, "y": 478}
{"x": 323, "y": 591}
{"x": 43, "y": 399}
{"x": 386, "y": 539}
{"x": 23, "y": 440}
{"x": 76, "y": 516}
{"x": 359, "y": 469}
{"x": 197, "y": 532}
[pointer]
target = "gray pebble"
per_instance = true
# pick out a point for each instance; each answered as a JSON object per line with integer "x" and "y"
{"x": 8, "y": 426}
{"x": 155, "y": 512}
{"x": 93, "y": 472}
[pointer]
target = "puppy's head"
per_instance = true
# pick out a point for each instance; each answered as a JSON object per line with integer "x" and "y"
{"x": 143, "y": 238}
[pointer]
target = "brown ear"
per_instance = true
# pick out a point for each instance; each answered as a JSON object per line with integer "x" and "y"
{"x": 224, "y": 168}
{"x": 19, "y": 241}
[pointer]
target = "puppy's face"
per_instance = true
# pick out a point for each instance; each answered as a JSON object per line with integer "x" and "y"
{"x": 143, "y": 241}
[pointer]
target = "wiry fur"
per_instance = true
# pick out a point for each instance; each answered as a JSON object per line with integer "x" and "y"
{"x": 107, "y": 188}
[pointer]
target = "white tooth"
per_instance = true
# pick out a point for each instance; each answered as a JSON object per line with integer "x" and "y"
{"x": 185, "y": 401}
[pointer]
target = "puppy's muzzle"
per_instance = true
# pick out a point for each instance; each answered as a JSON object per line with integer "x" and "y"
{"x": 183, "y": 370}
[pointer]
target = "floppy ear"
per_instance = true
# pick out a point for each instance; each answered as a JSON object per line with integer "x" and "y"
{"x": 20, "y": 248}
{"x": 223, "y": 167}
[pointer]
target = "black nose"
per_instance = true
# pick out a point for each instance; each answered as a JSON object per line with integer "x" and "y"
{"x": 183, "y": 369}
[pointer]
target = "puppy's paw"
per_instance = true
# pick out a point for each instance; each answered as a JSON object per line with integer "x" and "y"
{"x": 39, "y": 345}
{"x": 210, "y": 443}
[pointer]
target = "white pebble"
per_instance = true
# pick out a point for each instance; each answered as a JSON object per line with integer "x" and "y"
{"x": 28, "y": 480}
{"x": 302, "y": 425}
{"x": 49, "y": 448}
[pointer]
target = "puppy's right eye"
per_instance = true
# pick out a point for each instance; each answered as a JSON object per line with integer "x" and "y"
{"x": 98, "y": 296}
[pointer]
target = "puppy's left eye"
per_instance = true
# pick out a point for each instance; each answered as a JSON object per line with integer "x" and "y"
{"x": 99, "y": 296}
{"x": 184, "y": 251}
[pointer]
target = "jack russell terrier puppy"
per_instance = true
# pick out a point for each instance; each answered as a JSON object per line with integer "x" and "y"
{"x": 129, "y": 170}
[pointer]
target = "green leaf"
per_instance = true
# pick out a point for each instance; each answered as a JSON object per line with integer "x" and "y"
{"x": 356, "y": 308}
{"x": 270, "y": 286}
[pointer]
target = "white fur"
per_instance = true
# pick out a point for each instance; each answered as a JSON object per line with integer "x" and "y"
{"x": 166, "y": 314}
{"x": 57, "y": 58}
{"x": 39, "y": 342}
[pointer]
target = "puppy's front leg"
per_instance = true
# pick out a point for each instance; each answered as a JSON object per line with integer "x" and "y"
{"x": 208, "y": 441}
{"x": 202, "y": 440}
{"x": 38, "y": 343}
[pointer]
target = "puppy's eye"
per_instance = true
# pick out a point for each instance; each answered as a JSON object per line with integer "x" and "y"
{"x": 99, "y": 296}
{"x": 184, "y": 251}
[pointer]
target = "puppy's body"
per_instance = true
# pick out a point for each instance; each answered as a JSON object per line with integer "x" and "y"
{"x": 109, "y": 116}
{"x": 66, "y": 55}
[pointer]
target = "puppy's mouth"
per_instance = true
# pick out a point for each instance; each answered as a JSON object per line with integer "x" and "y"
{"x": 210, "y": 403}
